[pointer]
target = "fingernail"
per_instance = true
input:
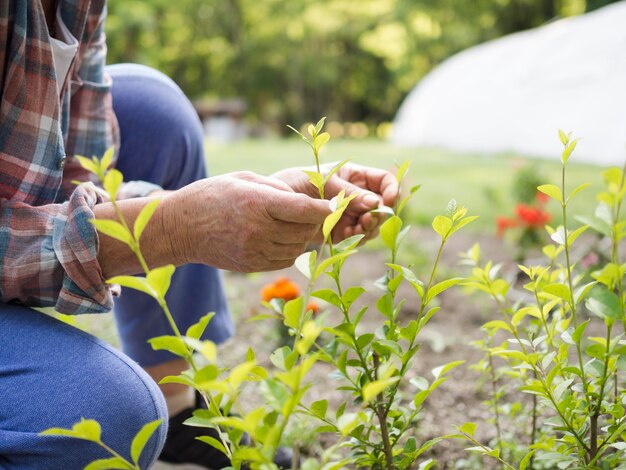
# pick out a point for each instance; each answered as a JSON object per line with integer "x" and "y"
{"x": 371, "y": 200}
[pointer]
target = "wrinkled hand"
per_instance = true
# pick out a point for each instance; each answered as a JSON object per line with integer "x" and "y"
{"x": 375, "y": 187}
{"x": 243, "y": 222}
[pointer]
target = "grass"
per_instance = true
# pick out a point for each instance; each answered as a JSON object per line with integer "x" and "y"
{"x": 480, "y": 182}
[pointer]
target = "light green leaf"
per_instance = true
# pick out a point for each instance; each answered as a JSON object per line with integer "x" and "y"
{"x": 144, "y": 217}
{"x": 572, "y": 236}
{"x": 497, "y": 325}
{"x": 558, "y": 290}
{"x": 132, "y": 282}
{"x": 316, "y": 179}
{"x": 319, "y": 125}
{"x": 442, "y": 370}
{"x": 197, "y": 329}
{"x": 468, "y": 428}
{"x": 334, "y": 170}
{"x": 564, "y": 138}
{"x": 462, "y": 223}
{"x": 373, "y": 389}
{"x": 551, "y": 190}
{"x": 604, "y": 304}
{"x": 577, "y": 190}
{"x": 442, "y": 225}
{"x": 319, "y": 408}
{"x": 142, "y": 437}
{"x": 389, "y": 231}
{"x": 169, "y": 343}
{"x": 523, "y": 465}
{"x": 440, "y": 287}
{"x": 321, "y": 140}
{"x": 292, "y": 312}
{"x": 351, "y": 295}
{"x": 107, "y": 159}
{"x": 112, "y": 182}
{"x": 213, "y": 443}
{"x": 568, "y": 150}
{"x": 402, "y": 169}
{"x": 87, "y": 164}
{"x": 349, "y": 243}
{"x": 329, "y": 296}
{"x": 160, "y": 278}
{"x": 113, "y": 229}
{"x": 311, "y": 130}
{"x": 113, "y": 463}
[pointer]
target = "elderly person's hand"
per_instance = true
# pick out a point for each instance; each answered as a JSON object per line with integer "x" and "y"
{"x": 242, "y": 222}
{"x": 375, "y": 187}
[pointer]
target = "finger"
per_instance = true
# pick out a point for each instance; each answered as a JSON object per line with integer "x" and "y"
{"x": 365, "y": 200}
{"x": 379, "y": 181}
{"x": 265, "y": 180}
{"x": 299, "y": 208}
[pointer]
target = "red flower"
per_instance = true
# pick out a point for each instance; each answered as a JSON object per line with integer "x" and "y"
{"x": 313, "y": 307}
{"x": 532, "y": 217}
{"x": 541, "y": 198}
{"x": 504, "y": 223}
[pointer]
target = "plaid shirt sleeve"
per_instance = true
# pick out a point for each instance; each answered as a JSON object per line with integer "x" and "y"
{"x": 50, "y": 255}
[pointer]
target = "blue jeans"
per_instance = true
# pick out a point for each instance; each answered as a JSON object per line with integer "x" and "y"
{"x": 52, "y": 374}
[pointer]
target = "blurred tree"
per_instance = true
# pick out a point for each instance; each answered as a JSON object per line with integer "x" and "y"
{"x": 294, "y": 61}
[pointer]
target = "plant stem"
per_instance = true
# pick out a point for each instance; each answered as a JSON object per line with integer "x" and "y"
{"x": 381, "y": 413}
{"x": 494, "y": 389}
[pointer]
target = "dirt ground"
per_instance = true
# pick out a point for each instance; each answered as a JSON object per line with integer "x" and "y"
{"x": 446, "y": 338}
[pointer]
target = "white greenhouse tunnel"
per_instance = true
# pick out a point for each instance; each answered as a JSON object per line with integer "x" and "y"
{"x": 513, "y": 94}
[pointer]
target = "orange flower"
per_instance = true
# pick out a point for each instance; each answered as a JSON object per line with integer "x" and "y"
{"x": 313, "y": 307}
{"x": 283, "y": 288}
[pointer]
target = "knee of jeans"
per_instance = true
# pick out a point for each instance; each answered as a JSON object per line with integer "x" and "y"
{"x": 133, "y": 400}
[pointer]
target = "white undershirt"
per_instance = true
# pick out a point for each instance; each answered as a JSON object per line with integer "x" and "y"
{"x": 64, "y": 50}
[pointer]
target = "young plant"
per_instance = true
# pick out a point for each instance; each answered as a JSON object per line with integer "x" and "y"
{"x": 568, "y": 363}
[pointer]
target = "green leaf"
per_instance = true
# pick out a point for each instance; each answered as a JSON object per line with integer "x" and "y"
{"x": 87, "y": 164}
{"x": 113, "y": 463}
{"x": 169, "y": 343}
{"x": 402, "y": 169}
{"x": 113, "y": 229}
{"x": 526, "y": 460}
{"x": 442, "y": 225}
{"x": 351, "y": 295}
{"x": 319, "y": 408}
{"x": 284, "y": 358}
{"x": 462, "y": 223}
{"x": 142, "y": 437}
{"x": 572, "y": 236}
{"x": 321, "y": 140}
{"x": 441, "y": 287}
{"x": 160, "y": 278}
{"x": 389, "y": 231}
{"x": 576, "y": 191}
{"x": 496, "y": 325}
{"x": 132, "y": 282}
{"x": 144, "y": 217}
{"x": 316, "y": 179}
{"x": 373, "y": 389}
{"x": 564, "y": 138}
{"x": 579, "y": 331}
{"x": 442, "y": 370}
{"x": 319, "y": 125}
{"x": 468, "y": 428}
{"x": 348, "y": 244}
{"x": 551, "y": 190}
{"x": 331, "y": 260}
{"x": 213, "y": 443}
{"x": 604, "y": 304}
{"x": 107, "y": 159}
{"x": 292, "y": 312}
{"x": 558, "y": 290}
{"x": 112, "y": 182}
{"x": 332, "y": 219}
{"x": 328, "y": 296}
{"x": 88, "y": 429}
{"x": 197, "y": 329}
{"x": 567, "y": 152}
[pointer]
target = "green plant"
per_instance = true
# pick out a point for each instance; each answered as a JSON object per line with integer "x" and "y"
{"x": 569, "y": 364}
{"x": 376, "y": 420}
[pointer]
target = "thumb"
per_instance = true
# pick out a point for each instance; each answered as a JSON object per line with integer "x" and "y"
{"x": 296, "y": 207}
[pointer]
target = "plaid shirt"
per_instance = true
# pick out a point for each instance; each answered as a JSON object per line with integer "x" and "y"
{"x": 47, "y": 245}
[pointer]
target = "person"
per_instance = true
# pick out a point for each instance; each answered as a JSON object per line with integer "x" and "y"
{"x": 58, "y": 100}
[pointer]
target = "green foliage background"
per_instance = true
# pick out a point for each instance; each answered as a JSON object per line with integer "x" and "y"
{"x": 293, "y": 61}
